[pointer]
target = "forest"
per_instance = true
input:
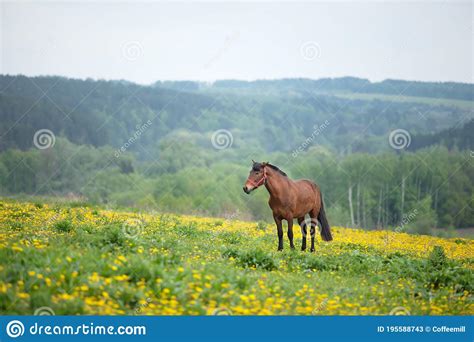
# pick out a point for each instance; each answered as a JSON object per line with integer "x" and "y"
{"x": 186, "y": 147}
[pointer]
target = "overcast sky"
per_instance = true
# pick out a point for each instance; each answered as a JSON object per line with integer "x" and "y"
{"x": 207, "y": 41}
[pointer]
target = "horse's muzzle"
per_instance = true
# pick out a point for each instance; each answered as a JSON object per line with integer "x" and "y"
{"x": 246, "y": 189}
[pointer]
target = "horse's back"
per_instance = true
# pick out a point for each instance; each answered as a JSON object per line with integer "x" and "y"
{"x": 308, "y": 184}
{"x": 307, "y": 195}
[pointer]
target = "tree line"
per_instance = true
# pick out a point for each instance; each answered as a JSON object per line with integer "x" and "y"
{"x": 425, "y": 189}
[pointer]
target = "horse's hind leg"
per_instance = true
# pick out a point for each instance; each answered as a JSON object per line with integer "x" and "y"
{"x": 303, "y": 232}
{"x": 290, "y": 233}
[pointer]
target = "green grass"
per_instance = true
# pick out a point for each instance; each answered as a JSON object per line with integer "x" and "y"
{"x": 83, "y": 261}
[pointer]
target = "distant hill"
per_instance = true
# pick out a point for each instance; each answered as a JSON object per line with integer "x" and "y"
{"x": 90, "y": 112}
{"x": 276, "y": 115}
{"x": 461, "y": 138}
{"x": 446, "y": 90}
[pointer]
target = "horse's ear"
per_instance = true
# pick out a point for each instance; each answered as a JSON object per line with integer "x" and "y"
{"x": 265, "y": 163}
{"x": 253, "y": 161}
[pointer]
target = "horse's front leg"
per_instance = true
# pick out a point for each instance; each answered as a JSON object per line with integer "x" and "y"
{"x": 290, "y": 232}
{"x": 280, "y": 232}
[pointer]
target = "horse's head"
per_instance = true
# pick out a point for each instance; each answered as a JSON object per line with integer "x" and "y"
{"x": 257, "y": 177}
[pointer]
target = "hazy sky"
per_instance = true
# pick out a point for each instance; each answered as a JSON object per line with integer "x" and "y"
{"x": 145, "y": 42}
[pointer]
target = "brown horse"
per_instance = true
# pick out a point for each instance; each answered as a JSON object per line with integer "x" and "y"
{"x": 289, "y": 200}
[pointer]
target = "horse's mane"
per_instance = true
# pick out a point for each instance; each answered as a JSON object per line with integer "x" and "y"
{"x": 258, "y": 166}
{"x": 277, "y": 169}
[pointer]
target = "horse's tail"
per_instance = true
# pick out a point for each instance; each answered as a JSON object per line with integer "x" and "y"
{"x": 325, "y": 229}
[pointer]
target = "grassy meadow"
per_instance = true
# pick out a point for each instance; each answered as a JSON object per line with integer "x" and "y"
{"x": 71, "y": 259}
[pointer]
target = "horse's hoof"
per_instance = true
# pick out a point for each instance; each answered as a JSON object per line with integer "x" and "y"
{"x": 303, "y": 249}
{"x": 292, "y": 247}
{"x": 312, "y": 250}
{"x": 279, "y": 249}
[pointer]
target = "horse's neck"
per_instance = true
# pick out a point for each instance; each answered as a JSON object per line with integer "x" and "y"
{"x": 276, "y": 184}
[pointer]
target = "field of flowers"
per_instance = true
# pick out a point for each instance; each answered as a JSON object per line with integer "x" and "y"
{"x": 69, "y": 259}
